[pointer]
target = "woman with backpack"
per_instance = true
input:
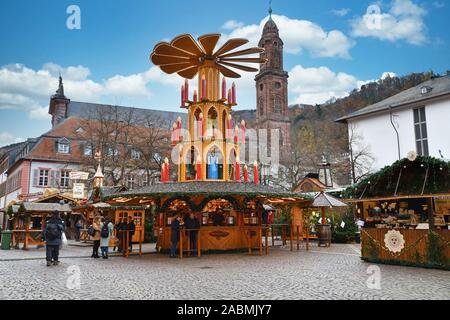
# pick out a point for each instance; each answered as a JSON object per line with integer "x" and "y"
{"x": 106, "y": 232}
{"x": 95, "y": 236}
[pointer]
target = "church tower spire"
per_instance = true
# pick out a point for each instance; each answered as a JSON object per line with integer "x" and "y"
{"x": 58, "y": 104}
{"x": 272, "y": 85}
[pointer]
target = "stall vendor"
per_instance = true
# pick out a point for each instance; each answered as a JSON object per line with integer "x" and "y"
{"x": 192, "y": 226}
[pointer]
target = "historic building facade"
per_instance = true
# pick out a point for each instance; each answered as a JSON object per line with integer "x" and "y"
{"x": 272, "y": 110}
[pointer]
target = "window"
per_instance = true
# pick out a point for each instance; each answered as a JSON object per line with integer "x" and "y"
{"x": 261, "y": 87}
{"x": 43, "y": 177}
{"x": 64, "y": 179}
{"x": 277, "y": 105}
{"x": 63, "y": 146}
{"x": 130, "y": 181}
{"x": 425, "y": 90}
{"x": 277, "y": 85}
{"x": 80, "y": 130}
{"x": 87, "y": 150}
{"x": 135, "y": 154}
{"x": 261, "y": 106}
{"x": 420, "y": 130}
{"x": 145, "y": 181}
{"x": 112, "y": 152}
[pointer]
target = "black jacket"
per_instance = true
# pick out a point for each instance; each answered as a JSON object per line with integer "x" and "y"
{"x": 192, "y": 224}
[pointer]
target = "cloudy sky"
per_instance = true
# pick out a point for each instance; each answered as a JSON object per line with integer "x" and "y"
{"x": 331, "y": 47}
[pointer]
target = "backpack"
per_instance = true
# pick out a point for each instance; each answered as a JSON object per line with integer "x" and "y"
{"x": 105, "y": 231}
{"x": 91, "y": 231}
{"x": 53, "y": 232}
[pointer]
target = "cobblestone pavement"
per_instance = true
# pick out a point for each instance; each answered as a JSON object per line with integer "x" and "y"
{"x": 321, "y": 273}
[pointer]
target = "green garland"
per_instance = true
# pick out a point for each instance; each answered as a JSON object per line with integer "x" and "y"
{"x": 384, "y": 182}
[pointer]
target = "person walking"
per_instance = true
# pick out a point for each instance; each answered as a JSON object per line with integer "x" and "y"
{"x": 54, "y": 228}
{"x": 131, "y": 229}
{"x": 120, "y": 228}
{"x": 192, "y": 225}
{"x": 175, "y": 226}
{"x": 78, "y": 227}
{"x": 96, "y": 237}
{"x": 106, "y": 232}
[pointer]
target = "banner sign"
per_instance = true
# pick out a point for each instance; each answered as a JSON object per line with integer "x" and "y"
{"x": 78, "y": 175}
{"x": 78, "y": 191}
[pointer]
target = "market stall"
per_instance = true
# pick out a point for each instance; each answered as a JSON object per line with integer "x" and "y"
{"x": 208, "y": 156}
{"x": 404, "y": 212}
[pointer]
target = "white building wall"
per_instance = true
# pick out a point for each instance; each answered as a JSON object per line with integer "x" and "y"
{"x": 378, "y": 134}
{"x": 36, "y": 165}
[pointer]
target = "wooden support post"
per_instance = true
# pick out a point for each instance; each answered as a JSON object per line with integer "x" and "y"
{"x": 267, "y": 239}
{"x": 127, "y": 242}
{"x": 430, "y": 213}
{"x": 273, "y": 235}
{"x": 298, "y": 237}
{"x": 292, "y": 238}
{"x": 140, "y": 242}
{"x": 181, "y": 244}
{"x": 199, "y": 247}
{"x": 307, "y": 238}
{"x": 189, "y": 243}
{"x": 260, "y": 240}
{"x": 249, "y": 240}
{"x": 283, "y": 235}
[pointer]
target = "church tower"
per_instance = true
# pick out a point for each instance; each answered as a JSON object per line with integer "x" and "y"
{"x": 272, "y": 87}
{"x": 58, "y": 105}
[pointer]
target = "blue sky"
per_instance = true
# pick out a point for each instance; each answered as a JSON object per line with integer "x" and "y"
{"x": 330, "y": 49}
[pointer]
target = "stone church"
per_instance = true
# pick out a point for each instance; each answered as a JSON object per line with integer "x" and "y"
{"x": 272, "y": 87}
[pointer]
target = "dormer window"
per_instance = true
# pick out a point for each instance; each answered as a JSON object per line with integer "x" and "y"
{"x": 63, "y": 146}
{"x": 80, "y": 130}
{"x": 425, "y": 90}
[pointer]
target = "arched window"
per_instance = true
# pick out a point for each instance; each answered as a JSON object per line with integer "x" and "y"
{"x": 277, "y": 104}
{"x": 212, "y": 124}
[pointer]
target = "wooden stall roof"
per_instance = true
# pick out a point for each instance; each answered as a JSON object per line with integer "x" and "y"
{"x": 420, "y": 196}
{"x": 43, "y": 207}
{"x": 207, "y": 188}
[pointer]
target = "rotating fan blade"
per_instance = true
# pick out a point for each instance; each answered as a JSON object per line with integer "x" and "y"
{"x": 160, "y": 59}
{"x": 187, "y": 43}
{"x": 249, "y": 60}
{"x": 188, "y": 73}
{"x": 209, "y": 42}
{"x": 175, "y": 67}
{"x": 240, "y": 67}
{"x": 227, "y": 72}
{"x": 243, "y": 52}
{"x": 230, "y": 45}
{"x": 165, "y": 49}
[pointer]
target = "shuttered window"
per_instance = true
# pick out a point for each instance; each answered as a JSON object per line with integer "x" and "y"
{"x": 43, "y": 177}
{"x": 420, "y": 130}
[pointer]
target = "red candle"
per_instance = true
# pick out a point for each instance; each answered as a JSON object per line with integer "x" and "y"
{"x": 224, "y": 88}
{"x": 245, "y": 174}
{"x": 165, "y": 171}
{"x": 233, "y": 93}
{"x": 174, "y": 134}
{"x": 229, "y": 97}
{"x": 186, "y": 90}
{"x": 230, "y": 128}
{"x": 203, "y": 88}
{"x": 179, "y": 128}
{"x": 195, "y": 96}
{"x": 238, "y": 170}
{"x": 255, "y": 172}
{"x": 243, "y": 131}
{"x": 198, "y": 175}
{"x": 236, "y": 134}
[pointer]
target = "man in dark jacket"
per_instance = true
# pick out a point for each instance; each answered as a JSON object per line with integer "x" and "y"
{"x": 131, "y": 228}
{"x": 192, "y": 226}
{"x": 54, "y": 227}
{"x": 175, "y": 226}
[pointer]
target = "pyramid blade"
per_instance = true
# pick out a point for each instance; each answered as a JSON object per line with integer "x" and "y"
{"x": 230, "y": 45}
{"x": 248, "y": 60}
{"x": 240, "y": 67}
{"x": 209, "y": 42}
{"x": 160, "y": 59}
{"x": 189, "y": 73}
{"x": 164, "y": 48}
{"x": 186, "y": 43}
{"x": 227, "y": 72}
{"x": 243, "y": 52}
{"x": 175, "y": 67}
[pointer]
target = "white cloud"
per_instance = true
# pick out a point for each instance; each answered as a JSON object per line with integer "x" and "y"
{"x": 341, "y": 12}
{"x": 299, "y": 35}
{"x": 388, "y": 74}
{"x": 403, "y": 21}
{"x": 232, "y": 24}
{"x": 318, "y": 85}
{"x": 7, "y": 138}
{"x": 29, "y": 90}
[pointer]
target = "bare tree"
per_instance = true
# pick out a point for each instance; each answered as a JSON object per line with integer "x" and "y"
{"x": 360, "y": 157}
